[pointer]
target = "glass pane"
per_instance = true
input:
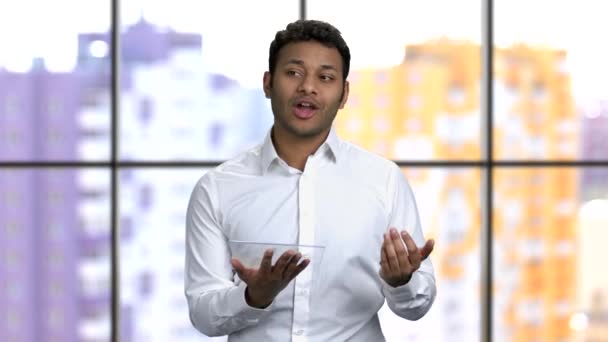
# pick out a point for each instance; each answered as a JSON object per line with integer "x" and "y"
{"x": 550, "y": 234}
{"x": 449, "y": 207}
{"x": 54, "y": 80}
{"x": 153, "y": 207}
{"x": 193, "y": 76}
{"x": 415, "y": 75}
{"x": 550, "y": 80}
{"x": 55, "y": 255}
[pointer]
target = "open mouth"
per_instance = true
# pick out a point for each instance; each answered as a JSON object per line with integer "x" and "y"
{"x": 305, "y": 109}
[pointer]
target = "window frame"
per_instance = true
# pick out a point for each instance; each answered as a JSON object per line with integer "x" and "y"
{"x": 487, "y": 164}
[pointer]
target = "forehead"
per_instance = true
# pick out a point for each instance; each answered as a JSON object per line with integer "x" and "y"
{"x": 311, "y": 53}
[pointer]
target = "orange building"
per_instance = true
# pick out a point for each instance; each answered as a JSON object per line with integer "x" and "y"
{"x": 428, "y": 108}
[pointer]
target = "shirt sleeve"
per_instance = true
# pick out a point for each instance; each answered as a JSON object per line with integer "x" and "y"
{"x": 216, "y": 298}
{"x": 414, "y": 299}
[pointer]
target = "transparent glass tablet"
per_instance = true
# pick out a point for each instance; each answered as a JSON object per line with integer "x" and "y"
{"x": 250, "y": 253}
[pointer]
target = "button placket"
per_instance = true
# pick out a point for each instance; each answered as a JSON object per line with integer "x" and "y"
{"x": 301, "y": 304}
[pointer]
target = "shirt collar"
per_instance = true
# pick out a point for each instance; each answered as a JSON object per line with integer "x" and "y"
{"x": 269, "y": 154}
{"x": 331, "y": 146}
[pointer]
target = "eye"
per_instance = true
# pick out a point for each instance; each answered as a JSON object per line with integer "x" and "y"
{"x": 327, "y": 78}
{"x": 293, "y": 73}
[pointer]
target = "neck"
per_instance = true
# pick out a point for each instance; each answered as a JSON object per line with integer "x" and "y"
{"x": 295, "y": 150}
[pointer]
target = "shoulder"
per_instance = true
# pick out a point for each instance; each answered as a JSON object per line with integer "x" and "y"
{"x": 367, "y": 162}
{"x": 244, "y": 165}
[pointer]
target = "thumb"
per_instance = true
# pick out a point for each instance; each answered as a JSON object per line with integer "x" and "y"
{"x": 427, "y": 248}
{"x": 380, "y": 273}
{"x": 239, "y": 268}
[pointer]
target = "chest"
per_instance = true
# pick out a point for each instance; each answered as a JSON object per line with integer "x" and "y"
{"x": 348, "y": 218}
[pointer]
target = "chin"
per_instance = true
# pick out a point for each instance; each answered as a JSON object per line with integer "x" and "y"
{"x": 302, "y": 129}
{"x": 307, "y": 133}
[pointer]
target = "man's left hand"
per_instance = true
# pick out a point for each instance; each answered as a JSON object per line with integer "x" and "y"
{"x": 398, "y": 263}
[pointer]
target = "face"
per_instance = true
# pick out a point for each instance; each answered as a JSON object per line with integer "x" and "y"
{"x": 306, "y": 90}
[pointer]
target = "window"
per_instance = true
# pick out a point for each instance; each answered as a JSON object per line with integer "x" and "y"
{"x": 97, "y": 162}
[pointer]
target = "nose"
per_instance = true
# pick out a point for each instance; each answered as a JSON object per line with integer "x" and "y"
{"x": 308, "y": 85}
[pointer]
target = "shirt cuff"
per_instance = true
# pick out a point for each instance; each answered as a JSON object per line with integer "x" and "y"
{"x": 403, "y": 292}
{"x": 238, "y": 305}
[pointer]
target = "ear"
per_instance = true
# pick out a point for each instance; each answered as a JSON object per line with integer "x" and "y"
{"x": 345, "y": 94}
{"x": 267, "y": 84}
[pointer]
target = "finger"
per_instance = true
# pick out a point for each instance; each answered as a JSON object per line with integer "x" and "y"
{"x": 282, "y": 262}
{"x": 266, "y": 263}
{"x": 412, "y": 249}
{"x": 239, "y": 268}
{"x": 300, "y": 268}
{"x": 402, "y": 252}
{"x": 292, "y": 266}
{"x": 391, "y": 256}
{"x": 427, "y": 249}
{"x": 382, "y": 251}
{"x": 384, "y": 267}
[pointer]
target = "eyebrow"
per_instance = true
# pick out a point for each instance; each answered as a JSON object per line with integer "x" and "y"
{"x": 301, "y": 63}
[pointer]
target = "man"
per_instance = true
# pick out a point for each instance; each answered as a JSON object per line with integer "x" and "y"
{"x": 305, "y": 186}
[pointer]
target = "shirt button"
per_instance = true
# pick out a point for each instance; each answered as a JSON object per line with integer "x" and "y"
{"x": 299, "y": 332}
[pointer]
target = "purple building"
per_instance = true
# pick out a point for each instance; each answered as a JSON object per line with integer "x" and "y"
{"x": 594, "y": 139}
{"x": 46, "y": 244}
{"x": 140, "y": 43}
{"x": 17, "y": 106}
{"x": 18, "y": 264}
{"x": 41, "y": 237}
{"x": 42, "y": 241}
{"x": 41, "y": 228}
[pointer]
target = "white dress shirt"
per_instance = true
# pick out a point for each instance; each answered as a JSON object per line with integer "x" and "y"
{"x": 345, "y": 199}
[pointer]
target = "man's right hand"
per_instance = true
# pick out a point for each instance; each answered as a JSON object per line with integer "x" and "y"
{"x": 267, "y": 281}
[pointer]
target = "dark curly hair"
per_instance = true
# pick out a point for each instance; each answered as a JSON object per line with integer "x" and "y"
{"x": 307, "y": 30}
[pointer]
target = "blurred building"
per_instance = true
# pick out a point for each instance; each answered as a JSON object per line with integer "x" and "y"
{"x": 535, "y": 226}
{"x": 55, "y": 265}
{"x": 55, "y": 268}
{"x": 594, "y": 147}
{"x": 425, "y": 108}
{"x": 428, "y": 108}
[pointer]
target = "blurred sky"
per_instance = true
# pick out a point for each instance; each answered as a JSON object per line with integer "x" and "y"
{"x": 236, "y": 34}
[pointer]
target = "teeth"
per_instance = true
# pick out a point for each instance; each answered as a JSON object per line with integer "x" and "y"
{"x": 305, "y": 105}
